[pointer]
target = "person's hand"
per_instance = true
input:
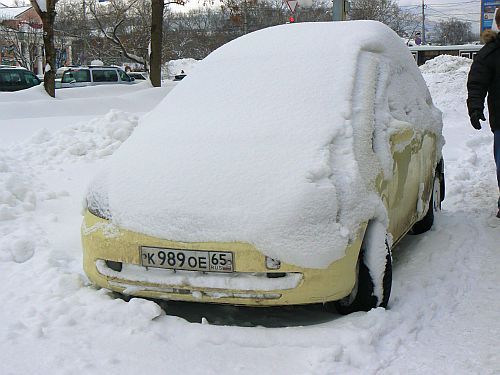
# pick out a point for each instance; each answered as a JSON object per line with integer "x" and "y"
{"x": 474, "y": 119}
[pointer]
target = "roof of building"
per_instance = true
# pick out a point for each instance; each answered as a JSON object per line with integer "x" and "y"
{"x": 10, "y": 13}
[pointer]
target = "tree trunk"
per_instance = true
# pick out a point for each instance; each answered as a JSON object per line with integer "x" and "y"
{"x": 157, "y": 7}
{"x": 48, "y": 15}
{"x": 50, "y": 52}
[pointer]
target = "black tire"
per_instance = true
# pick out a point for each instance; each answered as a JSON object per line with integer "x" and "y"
{"x": 362, "y": 297}
{"x": 427, "y": 221}
{"x": 440, "y": 173}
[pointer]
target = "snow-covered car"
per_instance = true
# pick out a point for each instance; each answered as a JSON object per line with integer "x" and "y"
{"x": 93, "y": 76}
{"x": 286, "y": 180}
{"x": 16, "y": 78}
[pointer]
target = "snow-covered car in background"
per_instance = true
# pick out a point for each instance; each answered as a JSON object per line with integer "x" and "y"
{"x": 286, "y": 180}
{"x": 16, "y": 78}
{"x": 93, "y": 76}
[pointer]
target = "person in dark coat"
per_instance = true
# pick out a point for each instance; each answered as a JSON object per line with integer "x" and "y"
{"x": 484, "y": 78}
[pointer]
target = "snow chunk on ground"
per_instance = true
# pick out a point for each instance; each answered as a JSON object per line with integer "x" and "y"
{"x": 22, "y": 250}
{"x": 16, "y": 194}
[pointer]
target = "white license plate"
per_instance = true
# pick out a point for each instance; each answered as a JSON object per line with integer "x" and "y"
{"x": 190, "y": 260}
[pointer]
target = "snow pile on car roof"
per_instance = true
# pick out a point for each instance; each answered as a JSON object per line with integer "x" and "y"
{"x": 269, "y": 141}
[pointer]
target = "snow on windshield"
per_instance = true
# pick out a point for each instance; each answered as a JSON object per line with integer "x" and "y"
{"x": 268, "y": 142}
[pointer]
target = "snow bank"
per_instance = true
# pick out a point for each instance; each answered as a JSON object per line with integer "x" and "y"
{"x": 174, "y": 67}
{"x": 21, "y": 191}
{"x": 34, "y": 102}
{"x": 446, "y": 64}
{"x": 475, "y": 180}
{"x": 95, "y": 139}
{"x": 269, "y": 141}
{"x": 446, "y": 78}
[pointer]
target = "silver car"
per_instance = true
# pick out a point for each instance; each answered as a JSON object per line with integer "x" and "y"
{"x": 93, "y": 76}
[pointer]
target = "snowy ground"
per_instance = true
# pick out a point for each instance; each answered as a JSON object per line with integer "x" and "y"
{"x": 444, "y": 307}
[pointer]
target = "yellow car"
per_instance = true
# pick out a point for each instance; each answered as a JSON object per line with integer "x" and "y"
{"x": 281, "y": 171}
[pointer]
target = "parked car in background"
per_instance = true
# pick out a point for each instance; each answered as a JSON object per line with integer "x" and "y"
{"x": 139, "y": 76}
{"x": 59, "y": 74}
{"x": 280, "y": 184}
{"x": 16, "y": 78}
{"x": 93, "y": 76}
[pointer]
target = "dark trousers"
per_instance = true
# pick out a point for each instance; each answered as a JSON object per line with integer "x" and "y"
{"x": 496, "y": 152}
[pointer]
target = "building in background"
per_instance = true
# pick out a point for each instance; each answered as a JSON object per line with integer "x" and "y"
{"x": 21, "y": 39}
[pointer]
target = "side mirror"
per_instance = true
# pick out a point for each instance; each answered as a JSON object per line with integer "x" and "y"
{"x": 132, "y": 79}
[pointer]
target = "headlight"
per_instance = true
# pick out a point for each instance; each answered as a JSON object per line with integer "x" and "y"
{"x": 96, "y": 200}
{"x": 97, "y": 204}
{"x": 99, "y": 212}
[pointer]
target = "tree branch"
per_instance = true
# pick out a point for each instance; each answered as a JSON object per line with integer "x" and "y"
{"x": 35, "y": 5}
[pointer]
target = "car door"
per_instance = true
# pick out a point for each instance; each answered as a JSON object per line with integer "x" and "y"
{"x": 405, "y": 189}
{"x": 382, "y": 116}
{"x": 413, "y": 151}
{"x": 76, "y": 78}
{"x": 29, "y": 79}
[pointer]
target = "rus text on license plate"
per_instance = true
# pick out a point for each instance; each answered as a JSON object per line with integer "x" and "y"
{"x": 191, "y": 260}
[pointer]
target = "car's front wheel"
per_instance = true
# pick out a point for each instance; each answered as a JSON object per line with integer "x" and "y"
{"x": 363, "y": 296}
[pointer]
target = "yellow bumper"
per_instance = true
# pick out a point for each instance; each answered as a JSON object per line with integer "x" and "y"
{"x": 103, "y": 241}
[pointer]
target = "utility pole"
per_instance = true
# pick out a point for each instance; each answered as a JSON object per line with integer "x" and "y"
{"x": 339, "y": 10}
{"x": 245, "y": 19}
{"x": 423, "y": 22}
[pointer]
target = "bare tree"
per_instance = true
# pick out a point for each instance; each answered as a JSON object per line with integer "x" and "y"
{"x": 157, "y": 9}
{"x": 115, "y": 22}
{"x": 72, "y": 27}
{"x": 197, "y": 33}
{"x": 321, "y": 10}
{"x": 385, "y": 11}
{"x": 453, "y": 31}
{"x": 23, "y": 42}
{"x": 157, "y": 16}
{"x": 47, "y": 12}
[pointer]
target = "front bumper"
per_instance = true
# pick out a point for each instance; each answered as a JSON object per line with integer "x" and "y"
{"x": 249, "y": 284}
